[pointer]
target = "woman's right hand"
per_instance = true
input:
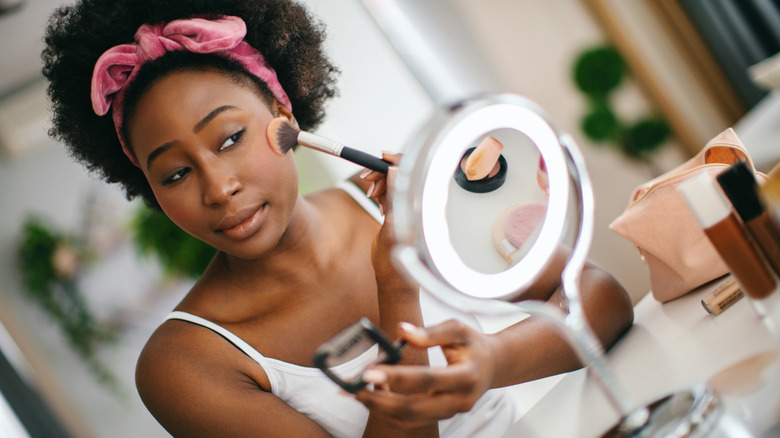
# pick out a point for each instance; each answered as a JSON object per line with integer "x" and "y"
{"x": 380, "y": 191}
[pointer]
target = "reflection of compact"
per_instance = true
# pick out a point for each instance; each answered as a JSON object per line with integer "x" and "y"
{"x": 493, "y": 172}
{"x": 333, "y": 356}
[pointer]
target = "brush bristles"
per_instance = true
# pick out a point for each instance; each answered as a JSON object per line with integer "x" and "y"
{"x": 282, "y": 135}
{"x": 484, "y": 158}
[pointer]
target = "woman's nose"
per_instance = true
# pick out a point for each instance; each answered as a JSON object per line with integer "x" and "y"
{"x": 220, "y": 185}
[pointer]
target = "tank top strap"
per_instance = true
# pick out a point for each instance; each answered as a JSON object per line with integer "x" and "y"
{"x": 230, "y": 337}
{"x": 360, "y": 197}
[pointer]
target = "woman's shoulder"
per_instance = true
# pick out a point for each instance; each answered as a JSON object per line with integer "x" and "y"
{"x": 181, "y": 353}
{"x": 347, "y": 199}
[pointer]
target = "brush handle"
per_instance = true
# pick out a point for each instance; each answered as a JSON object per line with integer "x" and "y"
{"x": 323, "y": 144}
{"x": 366, "y": 160}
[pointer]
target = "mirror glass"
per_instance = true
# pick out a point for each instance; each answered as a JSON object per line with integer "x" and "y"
{"x": 491, "y": 231}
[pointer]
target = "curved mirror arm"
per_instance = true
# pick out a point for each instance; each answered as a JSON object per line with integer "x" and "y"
{"x": 591, "y": 350}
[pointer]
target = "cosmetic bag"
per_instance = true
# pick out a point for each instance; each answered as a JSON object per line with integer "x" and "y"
{"x": 678, "y": 255}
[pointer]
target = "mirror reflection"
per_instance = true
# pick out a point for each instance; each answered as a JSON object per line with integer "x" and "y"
{"x": 493, "y": 230}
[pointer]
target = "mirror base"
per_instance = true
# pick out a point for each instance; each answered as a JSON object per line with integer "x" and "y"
{"x": 690, "y": 412}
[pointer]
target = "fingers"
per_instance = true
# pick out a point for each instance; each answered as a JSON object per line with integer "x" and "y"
{"x": 414, "y": 395}
{"x": 391, "y": 157}
{"x": 448, "y": 333}
{"x": 380, "y": 180}
{"x": 407, "y": 379}
{"x": 412, "y": 410}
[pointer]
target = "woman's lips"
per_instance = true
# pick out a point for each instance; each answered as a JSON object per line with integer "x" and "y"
{"x": 242, "y": 224}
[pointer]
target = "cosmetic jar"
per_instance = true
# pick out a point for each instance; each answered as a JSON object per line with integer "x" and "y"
{"x": 493, "y": 181}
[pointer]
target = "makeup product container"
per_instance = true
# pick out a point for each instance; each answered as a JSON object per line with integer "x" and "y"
{"x": 493, "y": 181}
{"x": 723, "y": 297}
{"x": 769, "y": 193}
{"x": 739, "y": 185}
{"x": 713, "y": 211}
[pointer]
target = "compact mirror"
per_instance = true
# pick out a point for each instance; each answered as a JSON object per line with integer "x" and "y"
{"x": 362, "y": 341}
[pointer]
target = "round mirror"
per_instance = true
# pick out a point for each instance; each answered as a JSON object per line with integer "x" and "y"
{"x": 491, "y": 236}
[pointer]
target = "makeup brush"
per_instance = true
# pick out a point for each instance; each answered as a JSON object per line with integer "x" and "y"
{"x": 484, "y": 159}
{"x": 282, "y": 136}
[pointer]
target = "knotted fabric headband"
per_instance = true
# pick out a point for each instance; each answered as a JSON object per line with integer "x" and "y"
{"x": 118, "y": 65}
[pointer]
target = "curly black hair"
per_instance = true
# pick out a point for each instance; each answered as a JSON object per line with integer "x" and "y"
{"x": 289, "y": 38}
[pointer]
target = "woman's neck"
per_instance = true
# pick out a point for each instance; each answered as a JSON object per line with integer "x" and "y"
{"x": 302, "y": 244}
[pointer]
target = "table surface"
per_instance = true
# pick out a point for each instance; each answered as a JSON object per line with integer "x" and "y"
{"x": 671, "y": 346}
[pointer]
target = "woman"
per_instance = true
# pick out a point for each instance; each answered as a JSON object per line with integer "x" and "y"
{"x": 172, "y": 100}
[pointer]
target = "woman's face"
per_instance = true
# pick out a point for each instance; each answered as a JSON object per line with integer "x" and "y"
{"x": 200, "y": 139}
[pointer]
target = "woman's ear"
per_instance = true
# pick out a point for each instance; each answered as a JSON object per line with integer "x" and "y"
{"x": 283, "y": 111}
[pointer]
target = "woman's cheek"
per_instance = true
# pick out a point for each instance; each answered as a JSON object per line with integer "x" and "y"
{"x": 184, "y": 217}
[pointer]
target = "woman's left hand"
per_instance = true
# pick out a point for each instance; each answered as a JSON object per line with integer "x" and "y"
{"x": 417, "y": 395}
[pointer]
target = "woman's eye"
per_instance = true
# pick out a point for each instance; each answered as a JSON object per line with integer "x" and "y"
{"x": 176, "y": 176}
{"x": 233, "y": 139}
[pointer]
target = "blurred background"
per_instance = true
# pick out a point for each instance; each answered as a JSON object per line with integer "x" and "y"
{"x": 641, "y": 85}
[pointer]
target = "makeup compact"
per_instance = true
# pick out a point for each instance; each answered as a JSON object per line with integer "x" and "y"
{"x": 495, "y": 178}
{"x": 347, "y": 355}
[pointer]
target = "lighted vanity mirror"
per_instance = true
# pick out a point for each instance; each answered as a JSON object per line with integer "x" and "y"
{"x": 446, "y": 245}
{"x": 488, "y": 238}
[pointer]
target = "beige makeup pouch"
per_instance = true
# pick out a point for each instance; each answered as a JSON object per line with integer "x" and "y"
{"x": 678, "y": 255}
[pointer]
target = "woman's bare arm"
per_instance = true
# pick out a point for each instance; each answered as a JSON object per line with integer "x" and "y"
{"x": 198, "y": 385}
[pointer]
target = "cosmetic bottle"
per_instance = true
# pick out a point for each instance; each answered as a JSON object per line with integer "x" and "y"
{"x": 739, "y": 185}
{"x": 769, "y": 193}
{"x": 714, "y": 213}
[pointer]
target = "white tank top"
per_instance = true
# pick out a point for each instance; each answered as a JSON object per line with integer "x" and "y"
{"x": 310, "y": 392}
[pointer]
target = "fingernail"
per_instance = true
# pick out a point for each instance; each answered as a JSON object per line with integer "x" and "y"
{"x": 381, "y": 210}
{"x": 392, "y": 172}
{"x": 365, "y": 173}
{"x": 371, "y": 190}
{"x": 375, "y": 376}
{"x": 409, "y": 327}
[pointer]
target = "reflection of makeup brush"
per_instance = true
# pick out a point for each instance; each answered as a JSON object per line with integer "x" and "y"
{"x": 484, "y": 160}
{"x": 282, "y": 136}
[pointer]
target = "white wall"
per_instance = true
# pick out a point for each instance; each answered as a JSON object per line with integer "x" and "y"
{"x": 380, "y": 104}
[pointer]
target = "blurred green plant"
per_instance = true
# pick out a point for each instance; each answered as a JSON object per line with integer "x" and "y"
{"x": 598, "y": 73}
{"x": 50, "y": 263}
{"x": 180, "y": 254}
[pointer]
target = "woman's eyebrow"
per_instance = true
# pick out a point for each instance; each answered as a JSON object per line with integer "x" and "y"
{"x": 197, "y": 128}
{"x": 156, "y": 153}
{"x": 210, "y": 116}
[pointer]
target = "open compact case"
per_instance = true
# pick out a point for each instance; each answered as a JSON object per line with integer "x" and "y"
{"x": 450, "y": 240}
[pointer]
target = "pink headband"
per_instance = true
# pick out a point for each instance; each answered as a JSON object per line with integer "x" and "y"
{"x": 118, "y": 65}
